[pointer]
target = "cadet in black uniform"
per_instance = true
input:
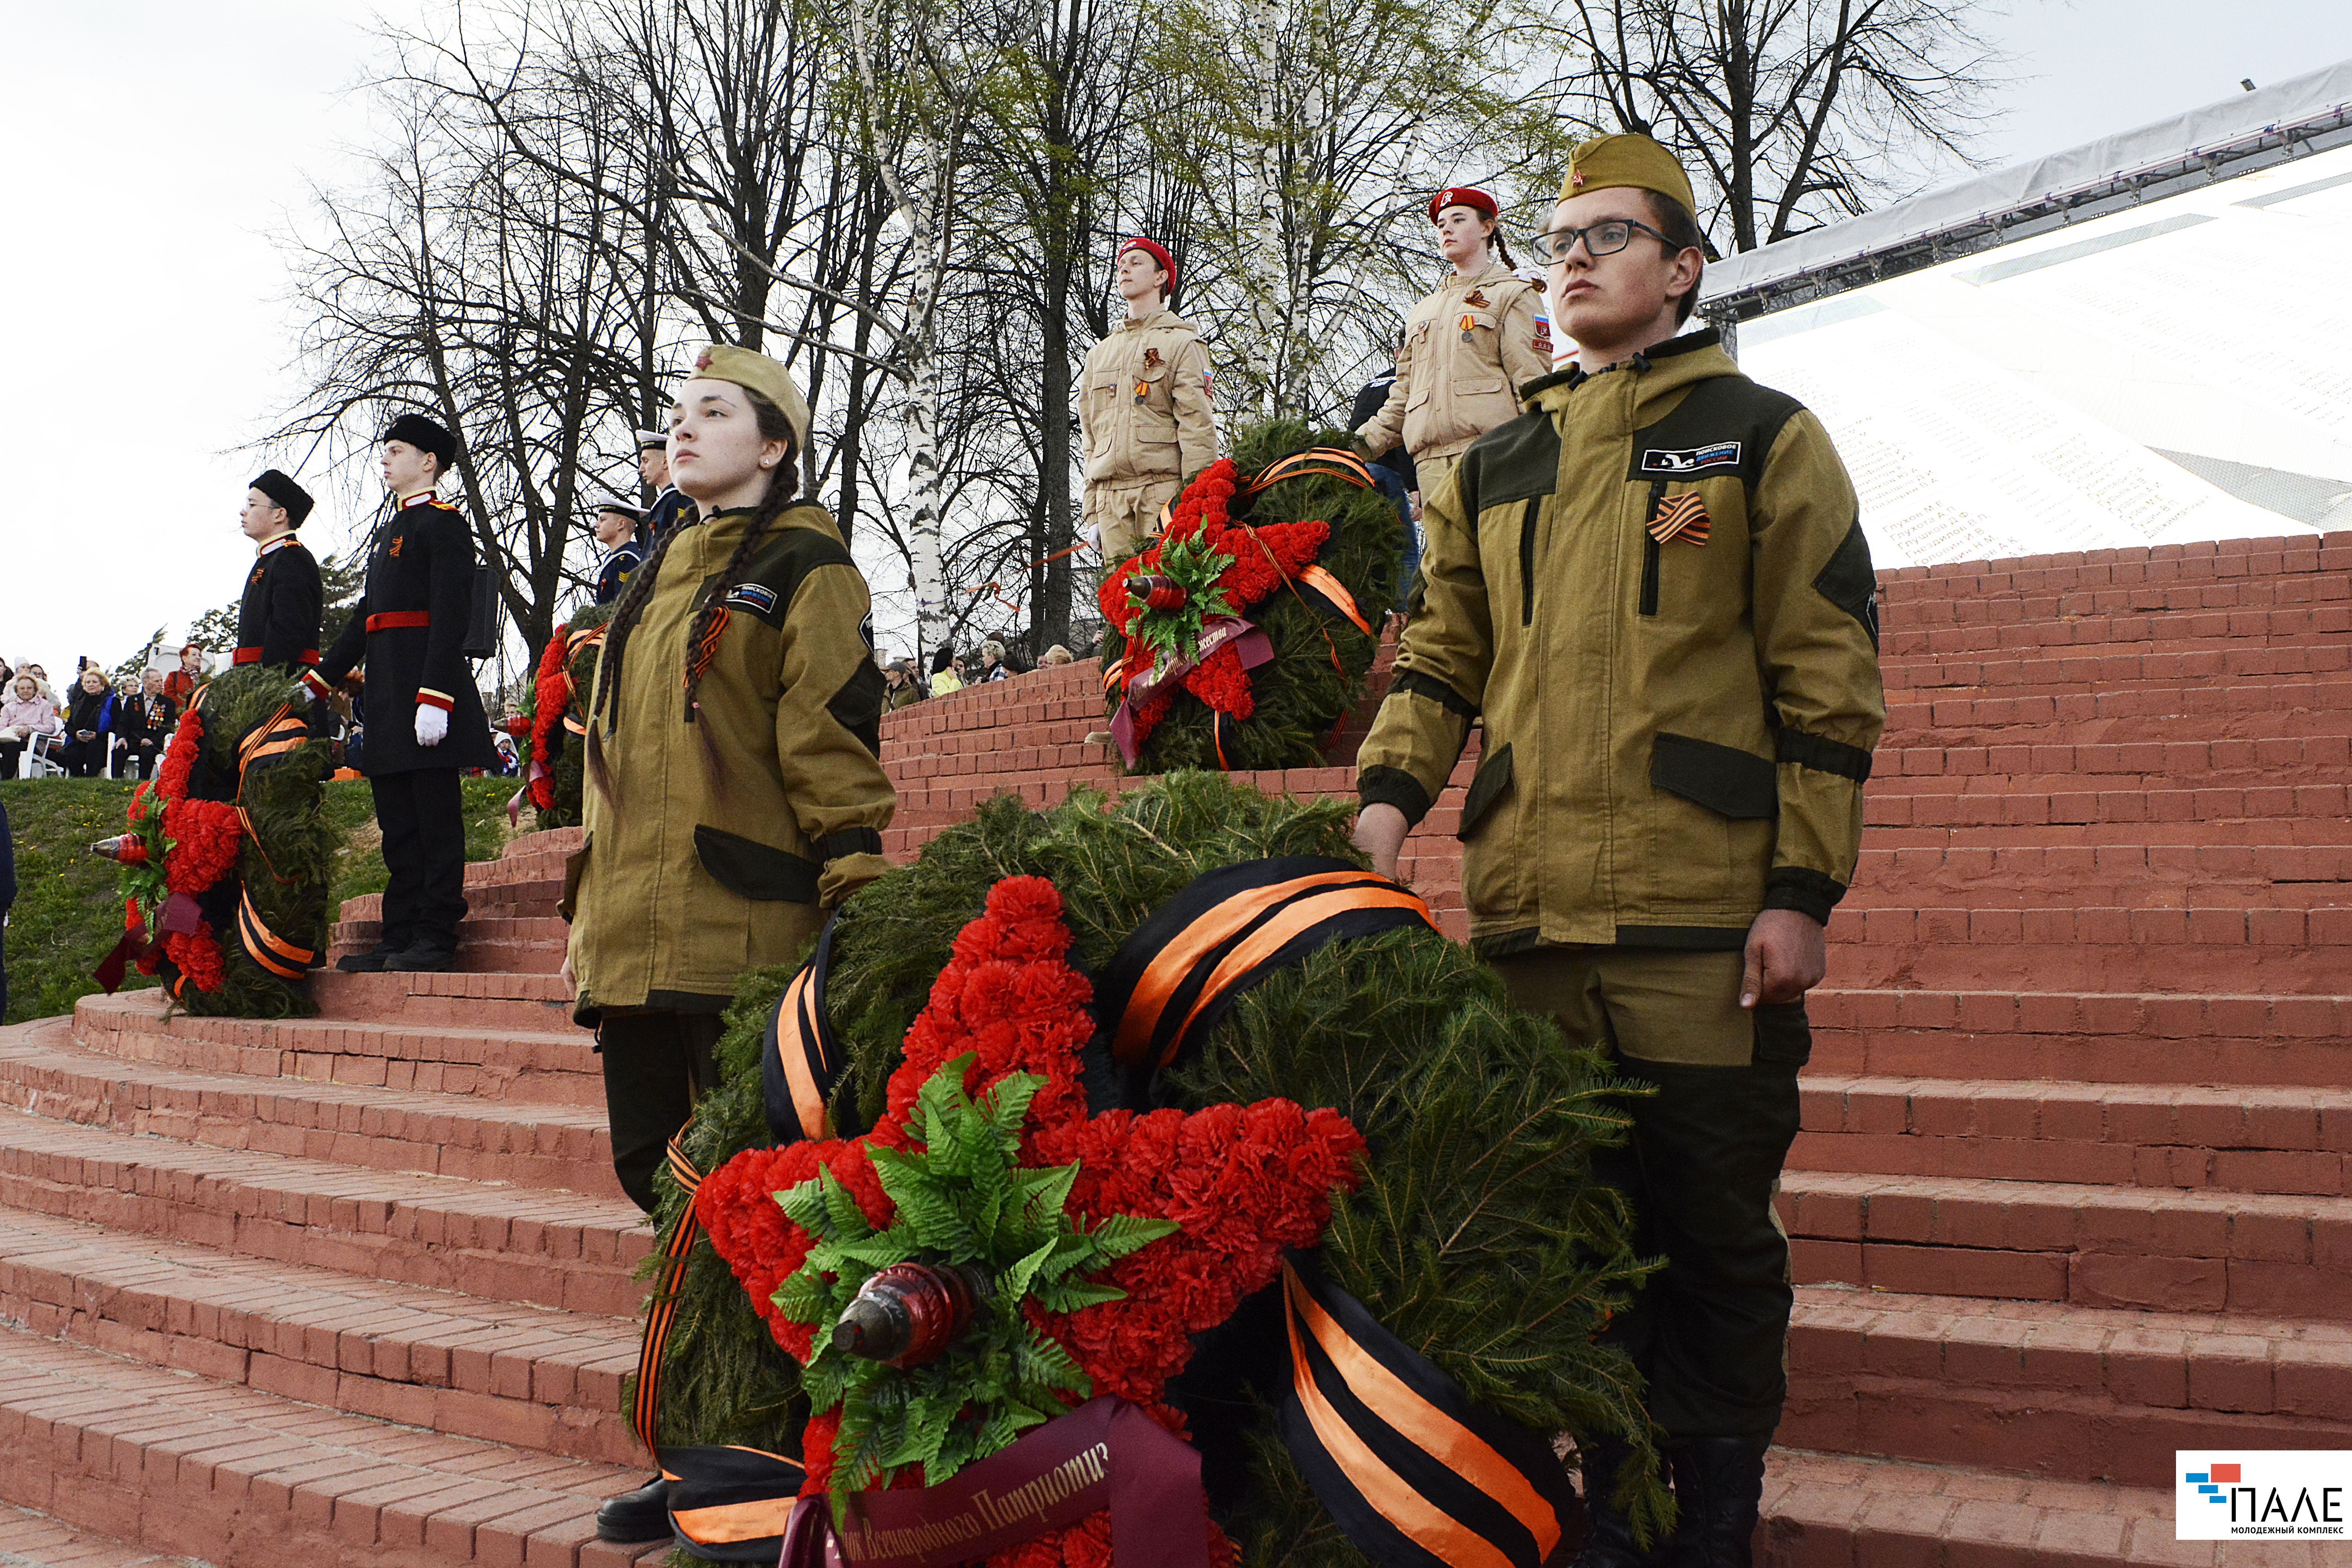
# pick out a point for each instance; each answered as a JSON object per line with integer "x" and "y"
{"x": 616, "y": 528}
{"x": 278, "y": 620}
{"x": 424, "y": 718}
{"x": 669, "y": 502}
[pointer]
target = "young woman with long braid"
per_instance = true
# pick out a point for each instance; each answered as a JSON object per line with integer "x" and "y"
{"x": 735, "y": 790}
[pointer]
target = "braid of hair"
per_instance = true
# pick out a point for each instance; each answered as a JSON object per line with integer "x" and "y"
{"x": 604, "y": 703}
{"x": 626, "y": 616}
{"x": 709, "y": 623}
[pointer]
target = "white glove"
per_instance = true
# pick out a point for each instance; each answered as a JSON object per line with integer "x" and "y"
{"x": 301, "y": 695}
{"x": 432, "y": 724}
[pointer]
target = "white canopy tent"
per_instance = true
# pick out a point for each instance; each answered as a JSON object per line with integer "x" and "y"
{"x": 2139, "y": 369}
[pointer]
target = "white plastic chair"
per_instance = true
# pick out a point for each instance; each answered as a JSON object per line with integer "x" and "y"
{"x": 41, "y": 754}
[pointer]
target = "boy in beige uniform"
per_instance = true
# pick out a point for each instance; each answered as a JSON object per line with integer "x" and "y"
{"x": 1467, "y": 348}
{"x": 1143, "y": 406}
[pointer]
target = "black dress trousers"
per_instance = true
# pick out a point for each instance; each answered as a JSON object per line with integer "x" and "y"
{"x": 423, "y": 821}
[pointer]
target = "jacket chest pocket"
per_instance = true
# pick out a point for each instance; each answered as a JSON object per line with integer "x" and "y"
{"x": 1675, "y": 520}
{"x": 1476, "y": 354}
{"x": 1148, "y": 388}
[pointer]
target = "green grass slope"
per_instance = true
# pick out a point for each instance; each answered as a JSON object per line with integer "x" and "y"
{"x": 66, "y": 914}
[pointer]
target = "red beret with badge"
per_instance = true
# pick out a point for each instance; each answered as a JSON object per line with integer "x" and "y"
{"x": 1154, "y": 249}
{"x": 1468, "y": 196}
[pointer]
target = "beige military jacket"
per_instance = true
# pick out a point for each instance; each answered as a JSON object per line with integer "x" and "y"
{"x": 1467, "y": 349}
{"x": 1143, "y": 403}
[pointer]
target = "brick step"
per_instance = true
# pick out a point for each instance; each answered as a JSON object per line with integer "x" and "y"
{"x": 2318, "y": 663}
{"x": 33, "y": 1540}
{"x": 2219, "y": 708}
{"x": 2065, "y": 1391}
{"x": 505, "y": 925}
{"x": 2292, "y": 951}
{"x": 546, "y": 1248}
{"x": 2156, "y": 564}
{"x": 240, "y": 1476}
{"x": 558, "y": 1147}
{"x": 544, "y": 1380}
{"x": 1887, "y": 870}
{"x": 2056, "y": 1241}
{"x": 2272, "y": 1141}
{"x": 535, "y": 894}
{"x": 506, "y": 946}
{"x": 530, "y": 1000}
{"x": 2289, "y": 571}
{"x": 548, "y": 1067}
{"x": 2087, "y": 1036}
{"x": 2081, "y": 802}
{"x": 2290, "y": 762}
{"x": 2185, "y": 629}
{"x": 1837, "y": 1510}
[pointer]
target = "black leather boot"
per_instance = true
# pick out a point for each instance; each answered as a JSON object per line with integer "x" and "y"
{"x": 640, "y": 1515}
{"x": 1718, "y": 1489}
{"x": 1608, "y": 1535}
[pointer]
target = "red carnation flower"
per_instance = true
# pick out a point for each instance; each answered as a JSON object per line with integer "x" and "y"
{"x": 1242, "y": 1181}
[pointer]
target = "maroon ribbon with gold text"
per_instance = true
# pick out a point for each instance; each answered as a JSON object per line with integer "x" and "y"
{"x": 1106, "y": 1454}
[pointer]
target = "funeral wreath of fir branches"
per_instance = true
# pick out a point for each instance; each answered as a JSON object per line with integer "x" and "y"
{"x": 1493, "y": 1253}
{"x": 556, "y": 701}
{"x": 206, "y": 830}
{"x": 1227, "y": 551}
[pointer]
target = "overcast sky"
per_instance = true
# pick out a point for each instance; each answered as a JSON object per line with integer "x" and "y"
{"x": 155, "y": 149}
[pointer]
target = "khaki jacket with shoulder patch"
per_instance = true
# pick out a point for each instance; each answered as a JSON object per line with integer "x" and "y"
{"x": 725, "y": 839}
{"x": 1466, "y": 350}
{"x": 1676, "y": 733}
{"x": 1143, "y": 403}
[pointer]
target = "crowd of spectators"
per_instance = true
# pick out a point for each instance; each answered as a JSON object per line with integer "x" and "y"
{"x": 98, "y": 725}
{"x": 951, "y": 671}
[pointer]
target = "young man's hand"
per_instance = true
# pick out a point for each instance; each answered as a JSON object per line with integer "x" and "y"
{"x": 1380, "y": 833}
{"x": 1788, "y": 953}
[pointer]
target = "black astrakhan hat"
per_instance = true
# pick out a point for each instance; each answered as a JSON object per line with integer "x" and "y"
{"x": 281, "y": 489}
{"x": 425, "y": 436}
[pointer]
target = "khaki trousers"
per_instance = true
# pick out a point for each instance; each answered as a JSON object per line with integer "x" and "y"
{"x": 1710, "y": 1331}
{"x": 1125, "y": 515}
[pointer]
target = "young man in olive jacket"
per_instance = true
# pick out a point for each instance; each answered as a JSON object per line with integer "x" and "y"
{"x": 424, "y": 722}
{"x": 1653, "y": 586}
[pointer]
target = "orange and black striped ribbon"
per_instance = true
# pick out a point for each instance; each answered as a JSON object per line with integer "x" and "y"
{"x": 802, "y": 1066}
{"x": 644, "y": 1410}
{"x": 1681, "y": 517}
{"x": 265, "y": 948}
{"x": 275, "y": 736}
{"x": 1416, "y": 1473}
{"x": 572, "y": 647}
{"x": 1332, "y": 462}
{"x": 1178, "y": 972}
{"x": 730, "y": 1504}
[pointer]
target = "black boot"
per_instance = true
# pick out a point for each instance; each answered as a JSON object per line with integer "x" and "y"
{"x": 1718, "y": 1489}
{"x": 1608, "y": 1535}
{"x": 640, "y": 1515}
{"x": 371, "y": 962}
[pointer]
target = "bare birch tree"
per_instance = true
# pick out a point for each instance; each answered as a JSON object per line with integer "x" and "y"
{"x": 1788, "y": 114}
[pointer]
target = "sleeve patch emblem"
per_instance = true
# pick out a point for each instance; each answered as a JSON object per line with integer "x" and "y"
{"x": 756, "y": 597}
{"x": 1692, "y": 459}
